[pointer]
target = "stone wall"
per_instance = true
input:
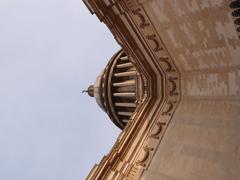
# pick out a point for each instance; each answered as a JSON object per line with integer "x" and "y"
{"x": 202, "y": 141}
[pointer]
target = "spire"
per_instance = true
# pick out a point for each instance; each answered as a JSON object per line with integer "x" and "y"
{"x": 90, "y": 91}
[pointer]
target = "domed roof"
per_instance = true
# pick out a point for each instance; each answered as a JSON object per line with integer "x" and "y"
{"x": 118, "y": 88}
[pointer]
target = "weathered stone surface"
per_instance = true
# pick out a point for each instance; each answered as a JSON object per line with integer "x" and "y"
{"x": 188, "y": 125}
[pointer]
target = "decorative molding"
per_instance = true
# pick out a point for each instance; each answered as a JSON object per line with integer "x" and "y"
{"x": 164, "y": 62}
{"x": 169, "y": 109}
{"x": 167, "y": 62}
{"x": 173, "y": 80}
{"x": 131, "y": 3}
{"x": 141, "y": 154}
{"x": 157, "y": 45}
{"x": 159, "y": 128}
{"x": 143, "y": 22}
{"x": 146, "y": 154}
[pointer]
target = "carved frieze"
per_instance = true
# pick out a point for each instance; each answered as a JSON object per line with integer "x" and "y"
{"x": 146, "y": 152}
{"x": 164, "y": 61}
{"x": 158, "y": 129}
{"x": 143, "y": 22}
{"x": 153, "y": 38}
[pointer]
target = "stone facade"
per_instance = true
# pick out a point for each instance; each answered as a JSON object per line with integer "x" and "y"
{"x": 187, "y": 125}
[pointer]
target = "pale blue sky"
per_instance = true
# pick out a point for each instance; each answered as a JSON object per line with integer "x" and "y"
{"x": 49, "y": 51}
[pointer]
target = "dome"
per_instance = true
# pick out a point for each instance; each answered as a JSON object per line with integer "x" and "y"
{"x": 118, "y": 89}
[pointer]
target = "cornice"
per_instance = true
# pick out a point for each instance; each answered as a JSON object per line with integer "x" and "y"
{"x": 137, "y": 143}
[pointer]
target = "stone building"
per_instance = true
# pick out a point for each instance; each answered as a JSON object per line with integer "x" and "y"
{"x": 173, "y": 89}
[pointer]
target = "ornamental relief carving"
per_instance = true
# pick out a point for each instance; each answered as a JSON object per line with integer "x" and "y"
{"x": 173, "y": 90}
{"x": 158, "y": 129}
{"x": 145, "y": 156}
{"x": 131, "y": 3}
{"x": 169, "y": 109}
{"x": 172, "y": 87}
{"x": 143, "y": 22}
{"x": 166, "y": 61}
{"x": 153, "y": 38}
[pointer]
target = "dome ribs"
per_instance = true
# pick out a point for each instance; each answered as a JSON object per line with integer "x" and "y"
{"x": 124, "y": 94}
{"x": 116, "y": 89}
{"x": 125, "y": 113}
{"x": 124, "y": 83}
{"x": 125, "y": 65}
{"x": 123, "y": 74}
{"x": 125, "y": 105}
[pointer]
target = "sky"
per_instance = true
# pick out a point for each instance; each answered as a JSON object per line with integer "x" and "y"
{"x": 50, "y": 50}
